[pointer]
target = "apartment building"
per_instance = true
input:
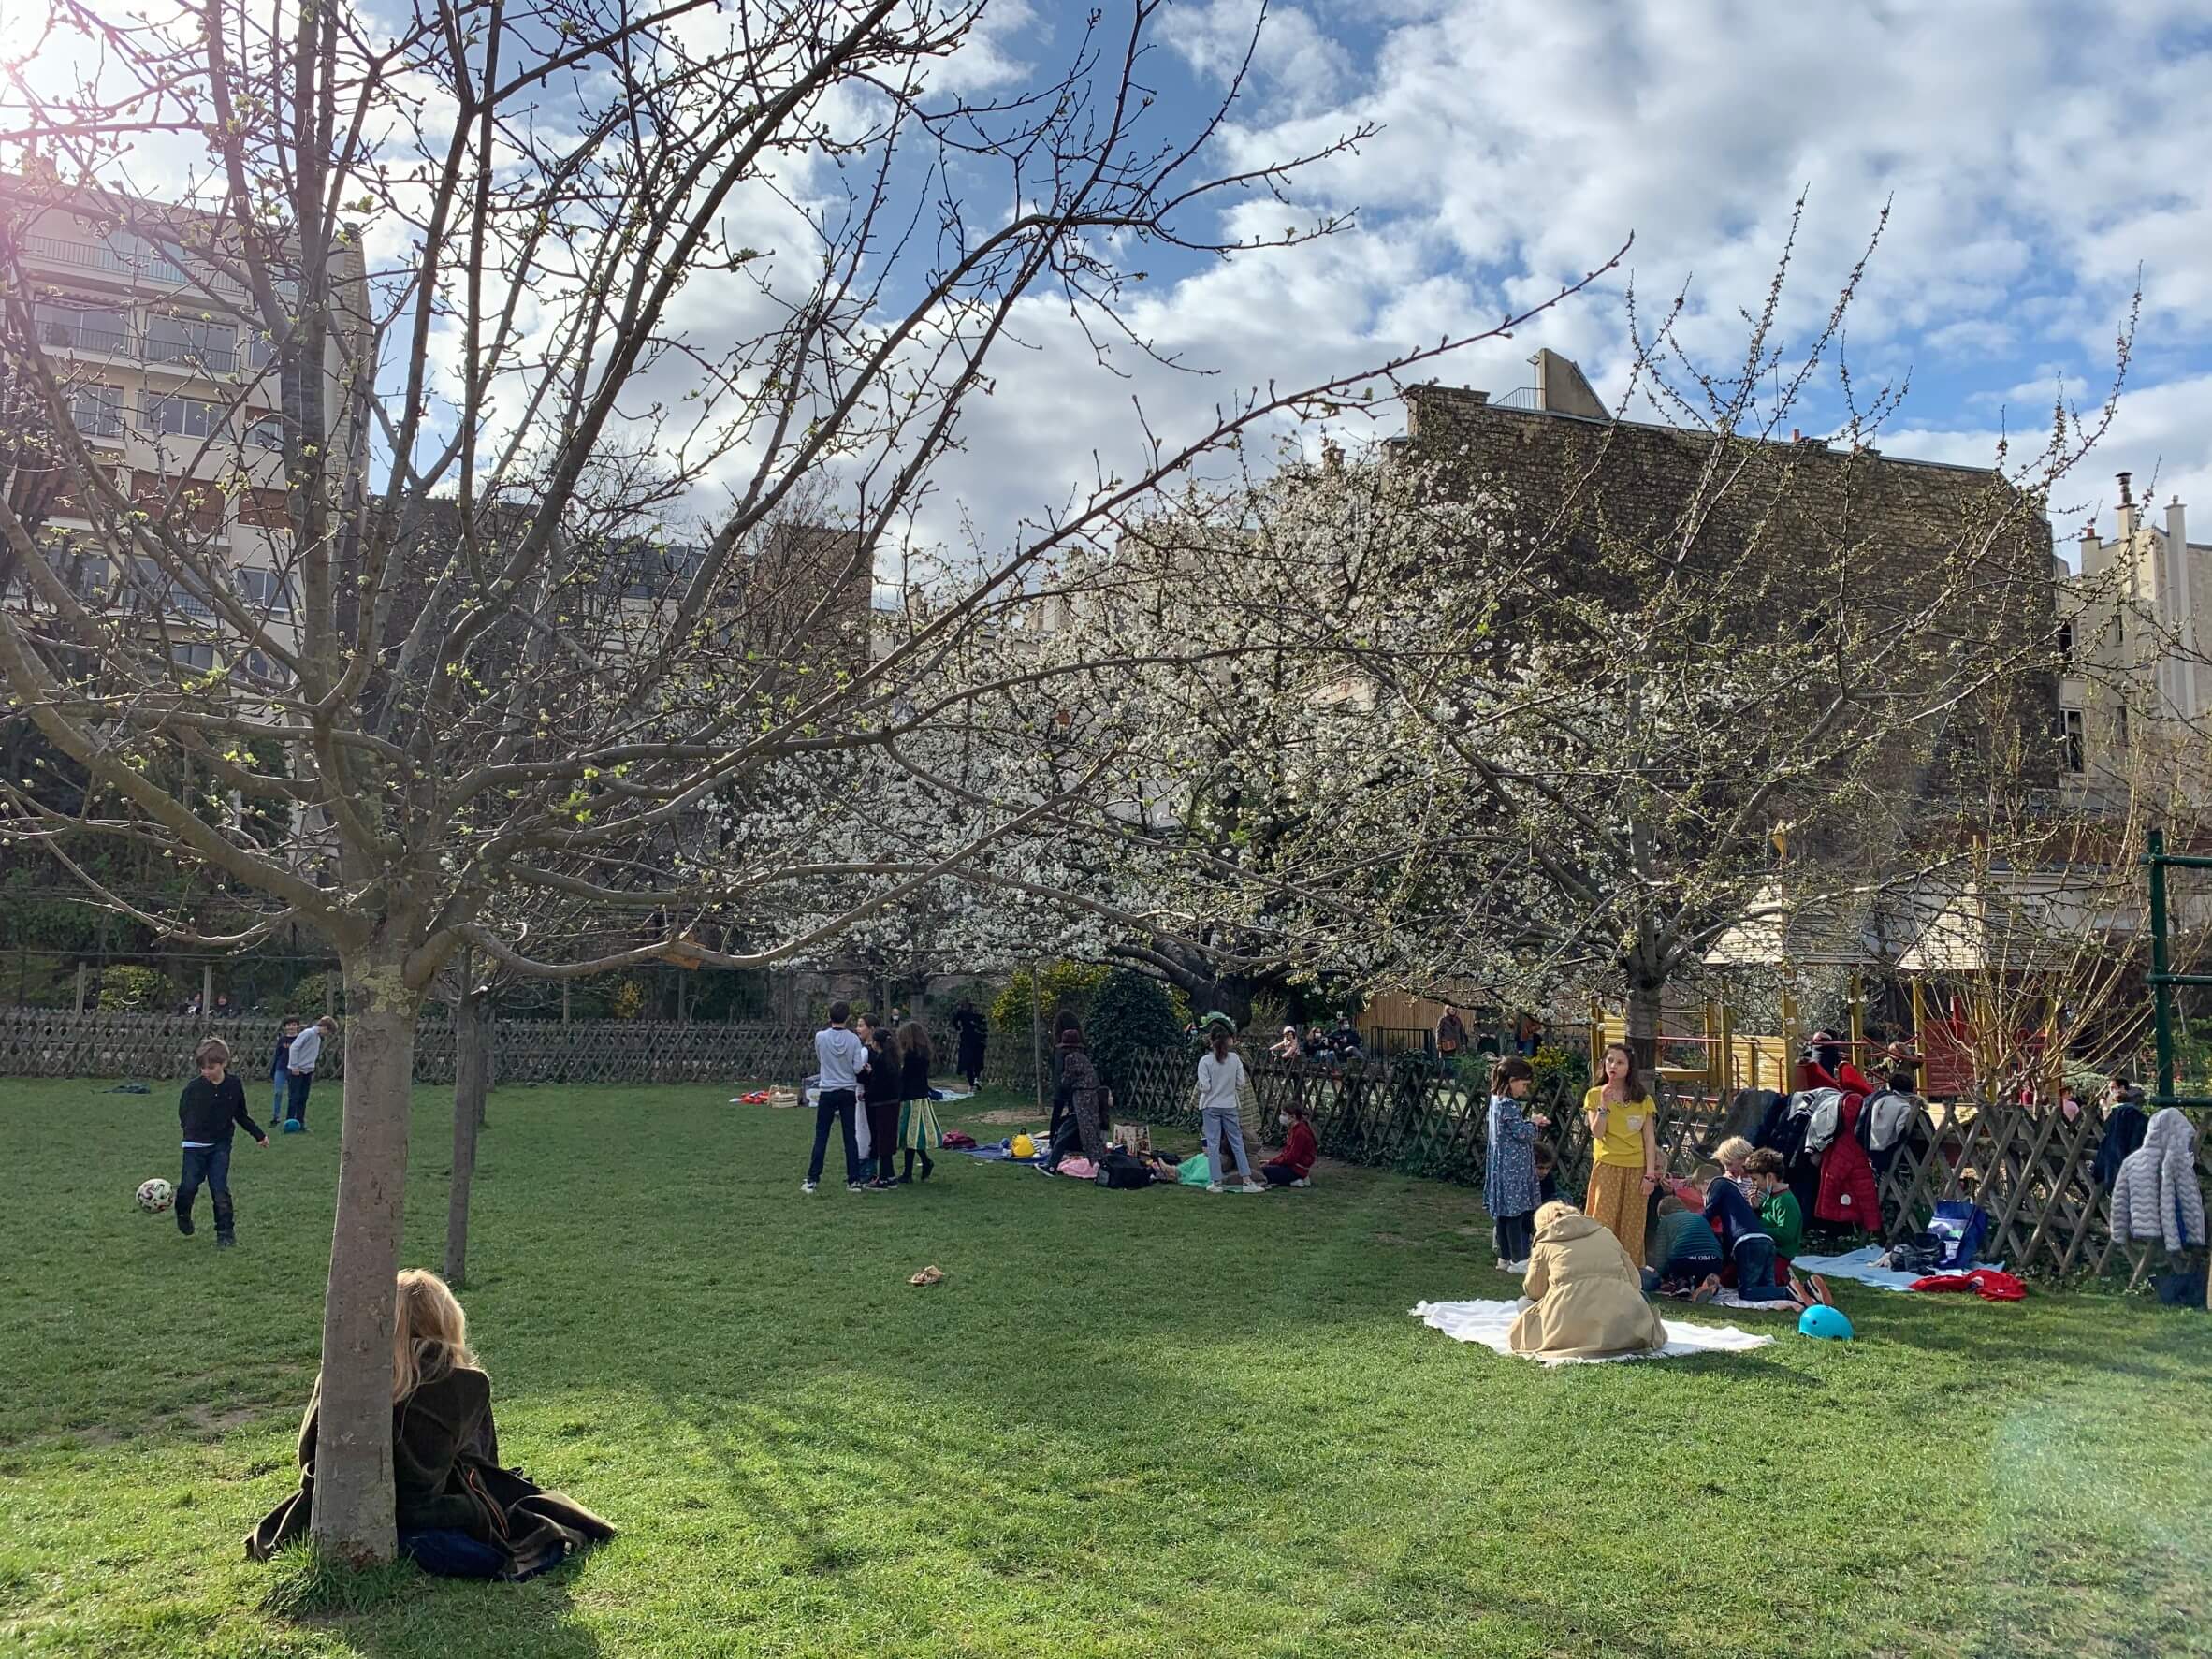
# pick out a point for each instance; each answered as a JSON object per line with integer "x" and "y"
{"x": 142, "y": 314}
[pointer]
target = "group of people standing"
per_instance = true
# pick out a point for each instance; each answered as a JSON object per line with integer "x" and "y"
{"x": 864, "y": 1067}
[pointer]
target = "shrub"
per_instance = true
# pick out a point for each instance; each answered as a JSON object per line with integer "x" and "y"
{"x": 1563, "y": 1072}
{"x": 1130, "y": 1013}
{"x": 1067, "y": 986}
{"x": 124, "y": 987}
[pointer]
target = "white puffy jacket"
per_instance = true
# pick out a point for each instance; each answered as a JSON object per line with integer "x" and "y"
{"x": 2155, "y": 1198}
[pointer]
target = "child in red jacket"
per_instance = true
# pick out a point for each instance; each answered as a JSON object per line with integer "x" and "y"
{"x": 1294, "y": 1165}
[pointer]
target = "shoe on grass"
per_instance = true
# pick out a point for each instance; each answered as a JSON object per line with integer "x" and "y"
{"x": 856, "y": 1187}
{"x": 1707, "y": 1289}
{"x": 806, "y": 1187}
{"x": 1301, "y": 1181}
{"x": 1216, "y": 1186}
{"x": 225, "y": 1242}
{"x": 1251, "y": 1187}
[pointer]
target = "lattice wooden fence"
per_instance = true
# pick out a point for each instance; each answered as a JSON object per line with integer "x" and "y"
{"x": 44, "y": 1042}
{"x": 2029, "y": 1168}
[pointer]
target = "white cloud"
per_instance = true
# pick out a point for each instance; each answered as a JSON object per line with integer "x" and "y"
{"x": 2033, "y": 155}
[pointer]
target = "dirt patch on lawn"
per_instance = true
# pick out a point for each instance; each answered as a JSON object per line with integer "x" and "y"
{"x": 1005, "y": 1117}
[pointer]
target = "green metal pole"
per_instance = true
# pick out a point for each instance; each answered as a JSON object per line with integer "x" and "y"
{"x": 2162, "y": 992}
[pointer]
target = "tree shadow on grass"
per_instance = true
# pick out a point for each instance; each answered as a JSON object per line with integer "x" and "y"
{"x": 433, "y": 1618}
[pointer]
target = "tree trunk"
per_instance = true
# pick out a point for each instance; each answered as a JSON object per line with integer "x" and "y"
{"x": 352, "y": 1502}
{"x": 472, "y": 1077}
{"x": 1644, "y": 997}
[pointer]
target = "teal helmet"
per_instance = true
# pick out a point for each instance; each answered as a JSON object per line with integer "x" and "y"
{"x": 1826, "y": 1322}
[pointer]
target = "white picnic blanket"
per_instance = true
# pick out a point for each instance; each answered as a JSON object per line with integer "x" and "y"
{"x": 1490, "y": 1322}
{"x": 1860, "y": 1265}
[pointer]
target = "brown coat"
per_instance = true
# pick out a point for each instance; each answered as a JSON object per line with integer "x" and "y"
{"x": 1589, "y": 1301}
{"x": 446, "y": 1477}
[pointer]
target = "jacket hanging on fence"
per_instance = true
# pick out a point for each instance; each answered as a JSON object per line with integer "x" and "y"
{"x": 2156, "y": 1199}
{"x": 1849, "y": 1195}
{"x": 2124, "y": 1126}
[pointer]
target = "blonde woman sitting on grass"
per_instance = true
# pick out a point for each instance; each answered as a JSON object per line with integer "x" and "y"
{"x": 460, "y": 1514}
{"x": 1588, "y": 1301}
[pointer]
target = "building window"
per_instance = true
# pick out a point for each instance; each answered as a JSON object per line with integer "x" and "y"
{"x": 2074, "y": 746}
{"x": 83, "y": 328}
{"x": 263, "y": 588}
{"x": 155, "y": 587}
{"x": 97, "y": 409}
{"x": 199, "y": 345}
{"x": 266, "y": 431}
{"x": 182, "y": 418}
{"x": 2065, "y": 645}
{"x": 200, "y": 659}
{"x": 267, "y": 670}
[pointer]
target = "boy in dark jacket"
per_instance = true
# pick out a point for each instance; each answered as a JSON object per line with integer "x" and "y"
{"x": 211, "y": 1107}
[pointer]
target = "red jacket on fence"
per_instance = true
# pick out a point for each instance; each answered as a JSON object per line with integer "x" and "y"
{"x": 1849, "y": 1194}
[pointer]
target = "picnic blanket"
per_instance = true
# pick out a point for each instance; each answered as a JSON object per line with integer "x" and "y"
{"x": 1489, "y": 1323}
{"x": 1864, "y": 1266}
{"x": 1728, "y": 1298}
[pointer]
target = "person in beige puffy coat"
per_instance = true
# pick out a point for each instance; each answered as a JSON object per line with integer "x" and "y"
{"x": 1588, "y": 1299}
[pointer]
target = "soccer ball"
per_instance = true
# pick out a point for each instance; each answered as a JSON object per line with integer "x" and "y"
{"x": 156, "y": 1196}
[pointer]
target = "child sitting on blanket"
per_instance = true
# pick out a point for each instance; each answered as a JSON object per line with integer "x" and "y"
{"x": 1743, "y": 1238}
{"x": 1779, "y": 1211}
{"x": 1685, "y": 1257}
{"x": 1546, "y": 1181}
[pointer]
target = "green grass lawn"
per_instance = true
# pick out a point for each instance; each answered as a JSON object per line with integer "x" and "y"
{"x": 1134, "y": 1423}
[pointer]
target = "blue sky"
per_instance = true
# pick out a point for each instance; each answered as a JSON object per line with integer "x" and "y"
{"x": 2035, "y": 154}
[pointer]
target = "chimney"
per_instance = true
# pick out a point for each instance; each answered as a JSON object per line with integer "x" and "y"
{"x": 2091, "y": 550}
{"x": 1561, "y": 389}
{"x": 2181, "y": 590}
{"x": 2126, "y": 500}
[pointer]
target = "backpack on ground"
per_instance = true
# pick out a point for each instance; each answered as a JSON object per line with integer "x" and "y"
{"x": 1120, "y": 1168}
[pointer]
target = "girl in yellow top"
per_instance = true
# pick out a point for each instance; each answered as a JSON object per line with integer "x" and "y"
{"x": 1624, "y": 1147}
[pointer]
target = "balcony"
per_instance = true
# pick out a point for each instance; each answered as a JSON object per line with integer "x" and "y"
{"x": 146, "y": 261}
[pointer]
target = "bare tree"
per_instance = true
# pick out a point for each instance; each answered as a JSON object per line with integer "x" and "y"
{"x": 436, "y": 285}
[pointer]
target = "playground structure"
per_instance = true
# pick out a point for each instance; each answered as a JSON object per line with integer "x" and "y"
{"x": 1704, "y": 1053}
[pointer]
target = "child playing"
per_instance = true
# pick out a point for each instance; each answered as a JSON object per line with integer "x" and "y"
{"x": 918, "y": 1130}
{"x": 1547, "y": 1161}
{"x": 1742, "y": 1236}
{"x": 1220, "y": 1079}
{"x": 1294, "y": 1165}
{"x": 1685, "y": 1255}
{"x": 1779, "y": 1210}
{"x": 306, "y": 1052}
{"x": 212, "y": 1107}
{"x": 1511, "y": 1190}
{"x": 280, "y": 1071}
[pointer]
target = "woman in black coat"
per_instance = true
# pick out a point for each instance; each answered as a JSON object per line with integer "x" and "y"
{"x": 971, "y": 1029}
{"x": 878, "y": 1091}
{"x": 460, "y": 1514}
